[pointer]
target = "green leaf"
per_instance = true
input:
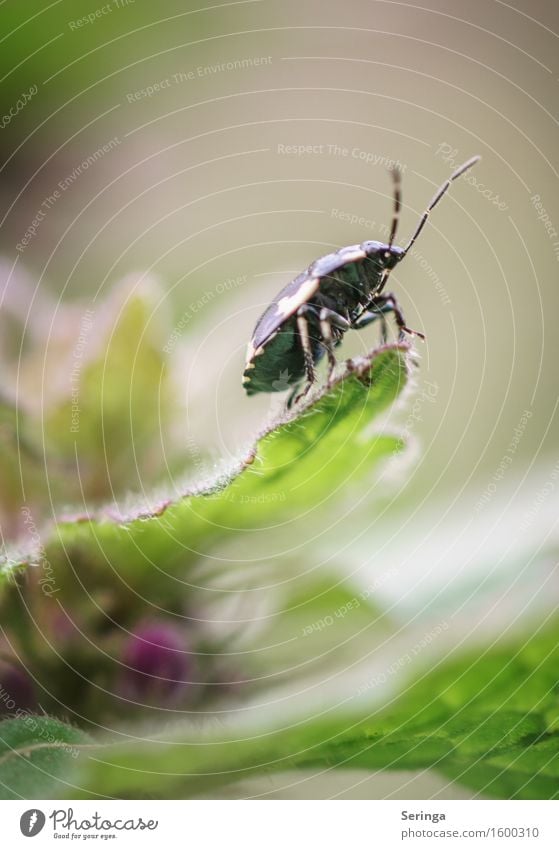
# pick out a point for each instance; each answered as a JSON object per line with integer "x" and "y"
{"x": 299, "y": 462}
{"x": 482, "y": 719}
{"x": 35, "y": 755}
{"x": 20, "y": 463}
{"x": 100, "y": 426}
{"x": 117, "y": 398}
{"x": 314, "y": 629}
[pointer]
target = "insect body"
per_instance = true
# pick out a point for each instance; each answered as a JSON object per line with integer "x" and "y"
{"x": 339, "y": 292}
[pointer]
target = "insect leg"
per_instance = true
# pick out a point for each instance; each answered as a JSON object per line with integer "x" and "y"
{"x": 369, "y": 316}
{"x": 328, "y": 342}
{"x": 381, "y": 306}
{"x": 329, "y": 319}
{"x": 334, "y": 319}
{"x": 391, "y": 305}
{"x": 384, "y": 329}
{"x": 293, "y": 396}
{"x": 303, "y": 328}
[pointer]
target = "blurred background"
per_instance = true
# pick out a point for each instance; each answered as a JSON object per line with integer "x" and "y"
{"x": 206, "y": 155}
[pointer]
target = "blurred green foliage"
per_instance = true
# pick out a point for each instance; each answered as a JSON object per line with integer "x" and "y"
{"x": 67, "y": 605}
{"x": 488, "y": 720}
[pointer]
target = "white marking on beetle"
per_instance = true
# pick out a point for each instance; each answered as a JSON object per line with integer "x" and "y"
{"x": 355, "y": 255}
{"x": 288, "y": 304}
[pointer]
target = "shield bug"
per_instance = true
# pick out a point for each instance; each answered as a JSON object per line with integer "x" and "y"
{"x": 341, "y": 291}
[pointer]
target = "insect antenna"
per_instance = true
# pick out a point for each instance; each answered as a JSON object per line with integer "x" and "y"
{"x": 437, "y": 197}
{"x": 397, "y": 180}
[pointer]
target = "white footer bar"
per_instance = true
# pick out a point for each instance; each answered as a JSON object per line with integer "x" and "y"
{"x": 281, "y": 824}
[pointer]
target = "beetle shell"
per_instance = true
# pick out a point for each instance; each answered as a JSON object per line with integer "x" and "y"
{"x": 274, "y": 357}
{"x": 340, "y": 291}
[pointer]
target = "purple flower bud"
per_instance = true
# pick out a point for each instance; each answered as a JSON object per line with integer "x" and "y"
{"x": 16, "y": 689}
{"x": 158, "y": 664}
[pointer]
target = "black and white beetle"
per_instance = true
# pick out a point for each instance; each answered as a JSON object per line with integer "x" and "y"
{"x": 338, "y": 292}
